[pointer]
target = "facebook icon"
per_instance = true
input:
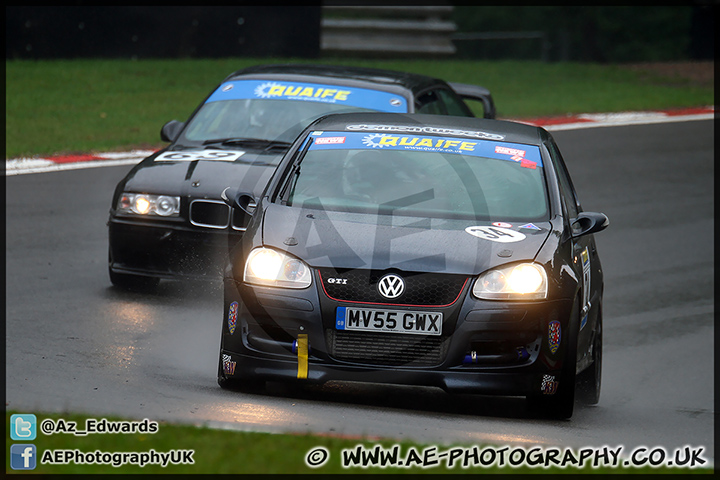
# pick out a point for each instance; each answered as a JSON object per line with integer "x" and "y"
{"x": 22, "y": 457}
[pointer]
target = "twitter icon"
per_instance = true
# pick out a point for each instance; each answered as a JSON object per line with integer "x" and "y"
{"x": 23, "y": 426}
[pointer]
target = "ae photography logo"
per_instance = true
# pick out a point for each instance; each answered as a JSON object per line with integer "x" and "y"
{"x": 377, "y": 456}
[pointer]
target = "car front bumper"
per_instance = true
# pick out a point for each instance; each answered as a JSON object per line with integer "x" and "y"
{"x": 487, "y": 347}
{"x": 168, "y": 251}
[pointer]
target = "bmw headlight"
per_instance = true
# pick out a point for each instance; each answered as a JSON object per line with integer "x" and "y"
{"x": 524, "y": 281}
{"x": 272, "y": 268}
{"x": 142, "y": 204}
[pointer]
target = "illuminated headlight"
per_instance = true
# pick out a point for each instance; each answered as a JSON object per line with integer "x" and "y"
{"x": 265, "y": 266}
{"x": 525, "y": 281}
{"x": 141, "y": 204}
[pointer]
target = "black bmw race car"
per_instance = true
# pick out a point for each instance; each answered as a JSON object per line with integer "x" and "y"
{"x": 167, "y": 219}
{"x": 419, "y": 249}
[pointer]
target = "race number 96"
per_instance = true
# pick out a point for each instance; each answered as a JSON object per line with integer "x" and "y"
{"x": 218, "y": 155}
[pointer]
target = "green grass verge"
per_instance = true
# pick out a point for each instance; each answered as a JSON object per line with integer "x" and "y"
{"x": 236, "y": 452}
{"x": 71, "y": 106}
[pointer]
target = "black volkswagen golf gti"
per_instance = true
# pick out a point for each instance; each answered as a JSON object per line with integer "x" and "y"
{"x": 419, "y": 249}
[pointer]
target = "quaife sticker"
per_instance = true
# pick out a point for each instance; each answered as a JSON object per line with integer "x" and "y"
{"x": 309, "y": 92}
{"x": 495, "y": 234}
{"x": 217, "y": 155}
{"x": 472, "y": 144}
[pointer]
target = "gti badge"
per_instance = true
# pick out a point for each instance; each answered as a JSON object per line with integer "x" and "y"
{"x": 391, "y": 286}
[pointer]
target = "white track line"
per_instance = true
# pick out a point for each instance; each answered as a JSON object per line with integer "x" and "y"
{"x": 23, "y": 166}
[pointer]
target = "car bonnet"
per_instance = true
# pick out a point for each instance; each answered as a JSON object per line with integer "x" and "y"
{"x": 353, "y": 240}
{"x": 203, "y": 173}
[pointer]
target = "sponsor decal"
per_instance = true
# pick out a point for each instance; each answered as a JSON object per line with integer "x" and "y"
{"x": 311, "y": 92}
{"x": 327, "y": 140}
{"x": 549, "y": 385}
{"x": 427, "y": 130}
{"x": 438, "y": 144}
{"x": 530, "y": 226}
{"x": 516, "y": 153}
{"x": 228, "y": 365}
{"x": 585, "y": 255}
{"x": 291, "y": 91}
{"x": 232, "y": 317}
{"x": 211, "y": 155}
{"x": 502, "y": 224}
{"x": 387, "y": 140}
{"x": 495, "y": 234}
{"x": 554, "y": 335}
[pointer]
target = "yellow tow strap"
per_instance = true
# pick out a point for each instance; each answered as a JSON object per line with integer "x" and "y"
{"x": 302, "y": 351}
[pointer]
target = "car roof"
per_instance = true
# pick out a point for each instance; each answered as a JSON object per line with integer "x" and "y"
{"x": 510, "y": 131}
{"x": 376, "y": 76}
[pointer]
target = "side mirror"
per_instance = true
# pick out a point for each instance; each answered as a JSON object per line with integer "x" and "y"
{"x": 589, "y": 222}
{"x": 477, "y": 93}
{"x": 170, "y": 131}
{"x": 242, "y": 201}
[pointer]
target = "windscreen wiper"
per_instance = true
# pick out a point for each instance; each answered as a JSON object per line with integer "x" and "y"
{"x": 246, "y": 142}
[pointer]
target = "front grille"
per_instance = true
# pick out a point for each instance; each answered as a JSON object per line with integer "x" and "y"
{"x": 390, "y": 349}
{"x": 357, "y": 285}
{"x": 241, "y": 219}
{"x": 209, "y": 214}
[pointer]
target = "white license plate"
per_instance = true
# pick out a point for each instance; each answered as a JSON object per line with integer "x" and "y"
{"x": 391, "y": 321}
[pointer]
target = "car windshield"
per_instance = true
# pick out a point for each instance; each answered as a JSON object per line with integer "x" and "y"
{"x": 420, "y": 175}
{"x": 278, "y": 111}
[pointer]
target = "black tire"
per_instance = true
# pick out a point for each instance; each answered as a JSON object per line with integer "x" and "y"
{"x": 590, "y": 380}
{"x": 136, "y": 283}
{"x": 561, "y": 404}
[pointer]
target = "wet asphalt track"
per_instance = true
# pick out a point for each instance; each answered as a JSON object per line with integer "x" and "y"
{"x": 74, "y": 343}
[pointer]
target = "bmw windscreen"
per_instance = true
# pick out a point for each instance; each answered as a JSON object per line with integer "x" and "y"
{"x": 278, "y": 111}
{"x": 449, "y": 177}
